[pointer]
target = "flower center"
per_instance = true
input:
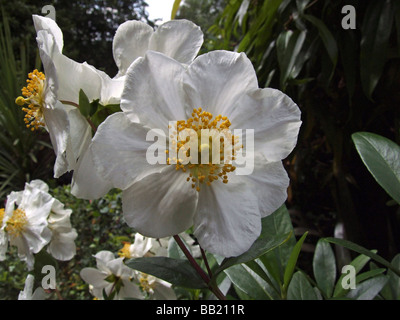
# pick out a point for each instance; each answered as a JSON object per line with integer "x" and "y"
{"x": 34, "y": 98}
{"x": 145, "y": 283}
{"x": 1, "y": 216}
{"x": 16, "y": 224}
{"x": 207, "y": 145}
{"x": 125, "y": 250}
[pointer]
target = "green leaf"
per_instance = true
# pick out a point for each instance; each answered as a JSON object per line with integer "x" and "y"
{"x": 324, "y": 267}
{"x": 326, "y": 37}
{"x": 369, "y": 289}
{"x": 84, "y": 104}
{"x": 357, "y": 248}
{"x": 288, "y": 46}
{"x": 375, "y": 33}
{"x": 275, "y": 261}
{"x": 382, "y": 158}
{"x": 249, "y": 282}
{"x": 300, "y": 288}
{"x": 175, "y": 8}
{"x": 42, "y": 259}
{"x": 358, "y": 263}
{"x": 176, "y": 271}
{"x": 260, "y": 247}
{"x": 293, "y": 261}
{"x": 391, "y": 291}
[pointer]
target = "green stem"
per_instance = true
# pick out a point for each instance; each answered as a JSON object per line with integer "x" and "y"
{"x": 199, "y": 270}
{"x": 77, "y": 106}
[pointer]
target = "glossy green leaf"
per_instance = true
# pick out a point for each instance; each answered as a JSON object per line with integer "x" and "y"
{"x": 375, "y": 31}
{"x": 288, "y": 46}
{"x": 176, "y": 271}
{"x": 368, "y": 289}
{"x": 293, "y": 261}
{"x": 249, "y": 282}
{"x": 260, "y": 247}
{"x": 324, "y": 267}
{"x": 358, "y": 263}
{"x": 359, "y": 249}
{"x": 275, "y": 261}
{"x": 391, "y": 291}
{"x": 326, "y": 37}
{"x": 382, "y": 158}
{"x": 300, "y": 288}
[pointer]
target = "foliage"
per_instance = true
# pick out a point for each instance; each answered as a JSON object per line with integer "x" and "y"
{"x": 86, "y": 24}
{"x": 345, "y": 81}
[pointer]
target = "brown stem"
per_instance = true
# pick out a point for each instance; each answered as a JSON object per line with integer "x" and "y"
{"x": 203, "y": 254}
{"x": 198, "y": 269}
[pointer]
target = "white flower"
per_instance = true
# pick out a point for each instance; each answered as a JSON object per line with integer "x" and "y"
{"x": 69, "y": 131}
{"x": 154, "y": 287}
{"x": 28, "y": 294}
{"x": 25, "y": 222}
{"x": 140, "y": 247}
{"x": 111, "y": 277}
{"x": 226, "y": 209}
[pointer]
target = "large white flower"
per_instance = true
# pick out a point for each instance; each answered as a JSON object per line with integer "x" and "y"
{"x": 25, "y": 222}
{"x": 112, "y": 277}
{"x": 160, "y": 200}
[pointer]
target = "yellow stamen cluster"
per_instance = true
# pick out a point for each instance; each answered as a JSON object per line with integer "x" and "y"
{"x": 125, "y": 250}
{"x": 215, "y": 169}
{"x": 17, "y": 222}
{"x": 1, "y": 216}
{"x": 33, "y": 94}
{"x": 145, "y": 283}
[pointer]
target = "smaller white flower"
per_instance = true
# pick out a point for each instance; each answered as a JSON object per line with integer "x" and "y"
{"x": 28, "y": 294}
{"x": 25, "y": 222}
{"x": 155, "y": 288}
{"x": 111, "y": 277}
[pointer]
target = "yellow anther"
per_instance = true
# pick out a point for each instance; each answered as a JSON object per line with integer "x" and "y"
{"x": 15, "y": 225}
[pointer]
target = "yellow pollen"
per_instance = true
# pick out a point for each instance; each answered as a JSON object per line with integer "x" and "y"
{"x": 1, "y": 216}
{"x": 145, "y": 283}
{"x": 16, "y": 224}
{"x": 124, "y": 251}
{"x": 34, "y": 99}
{"x": 218, "y": 166}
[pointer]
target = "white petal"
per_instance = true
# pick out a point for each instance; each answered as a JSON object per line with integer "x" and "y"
{"x": 43, "y": 23}
{"x": 58, "y": 126}
{"x": 215, "y": 80}
{"x": 94, "y": 277}
{"x": 86, "y": 181}
{"x": 46, "y": 45}
{"x": 153, "y": 92}
{"x": 119, "y": 151}
{"x": 161, "y": 204}
{"x": 131, "y": 41}
{"x": 227, "y": 220}
{"x": 268, "y": 181}
{"x": 178, "y": 39}
{"x": 274, "y": 117}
